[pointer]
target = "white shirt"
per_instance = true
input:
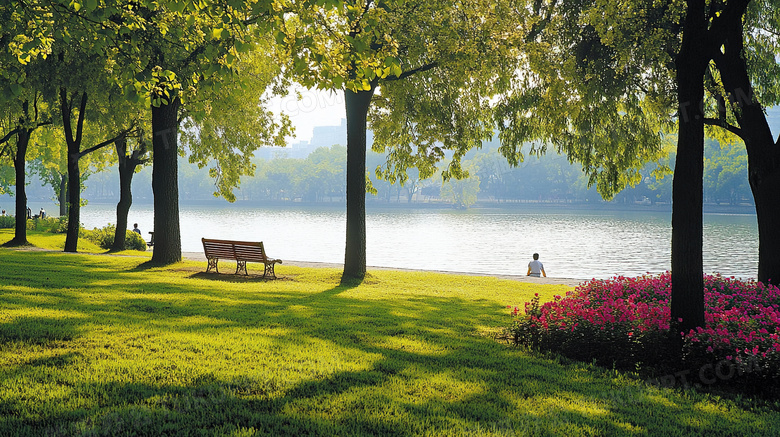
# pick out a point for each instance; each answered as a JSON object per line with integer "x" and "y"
{"x": 536, "y": 267}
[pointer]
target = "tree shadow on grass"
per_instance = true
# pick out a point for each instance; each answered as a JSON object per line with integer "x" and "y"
{"x": 375, "y": 402}
{"x": 236, "y": 278}
{"x": 317, "y": 360}
{"x": 38, "y": 330}
{"x": 13, "y": 244}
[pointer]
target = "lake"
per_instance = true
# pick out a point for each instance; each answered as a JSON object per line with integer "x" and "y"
{"x": 579, "y": 243}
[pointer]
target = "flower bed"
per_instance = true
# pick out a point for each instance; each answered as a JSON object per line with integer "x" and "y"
{"x": 625, "y": 322}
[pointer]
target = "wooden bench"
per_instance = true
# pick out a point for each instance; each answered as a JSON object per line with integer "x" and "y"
{"x": 241, "y": 251}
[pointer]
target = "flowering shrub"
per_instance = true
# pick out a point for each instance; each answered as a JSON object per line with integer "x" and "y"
{"x": 625, "y": 321}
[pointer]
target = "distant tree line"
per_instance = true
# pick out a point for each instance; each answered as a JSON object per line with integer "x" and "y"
{"x": 550, "y": 178}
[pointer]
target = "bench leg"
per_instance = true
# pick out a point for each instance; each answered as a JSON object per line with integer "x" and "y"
{"x": 269, "y": 271}
{"x": 212, "y": 265}
{"x": 241, "y": 267}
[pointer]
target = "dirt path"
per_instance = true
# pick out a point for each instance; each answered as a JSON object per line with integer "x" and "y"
{"x": 198, "y": 256}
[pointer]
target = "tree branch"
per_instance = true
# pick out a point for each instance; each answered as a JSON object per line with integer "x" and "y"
{"x": 82, "y": 116}
{"x": 732, "y": 12}
{"x": 723, "y": 124}
{"x": 539, "y": 26}
{"x": 123, "y": 134}
{"x": 66, "y": 114}
{"x": 413, "y": 71}
{"x": 9, "y": 135}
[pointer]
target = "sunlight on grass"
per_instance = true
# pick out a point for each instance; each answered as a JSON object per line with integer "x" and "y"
{"x": 98, "y": 345}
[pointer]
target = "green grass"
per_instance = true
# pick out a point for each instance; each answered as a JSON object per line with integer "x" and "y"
{"x": 101, "y": 345}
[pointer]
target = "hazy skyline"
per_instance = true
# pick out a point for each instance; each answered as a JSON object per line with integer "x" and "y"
{"x": 314, "y": 108}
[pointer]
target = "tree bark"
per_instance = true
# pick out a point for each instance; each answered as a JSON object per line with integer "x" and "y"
{"x": 765, "y": 182}
{"x": 763, "y": 152}
{"x": 687, "y": 300}
{"x": 20, "y": 159}
{"x": 62, "y": 195}
{"x": 165, "y": 186}
{"x": 74, "y": 200}
{"x": 126, "y": 170}
{"x": 357, "y": 104}
{"x": 74, "y": 174}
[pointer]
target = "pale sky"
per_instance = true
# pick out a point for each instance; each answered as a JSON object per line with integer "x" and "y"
{"x": 314, "y": 108}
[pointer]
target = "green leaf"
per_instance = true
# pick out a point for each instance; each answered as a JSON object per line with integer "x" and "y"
{"x": 131, "y": 95}
{"x": 177, "y": 7}
{"x": 16, "y": 89}
{"x": 280, "y": 37}
{"x": 243, "y": 47}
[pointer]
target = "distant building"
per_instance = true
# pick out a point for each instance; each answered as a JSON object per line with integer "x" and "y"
{"x": 322, "y": 136}
{"x": 326, "y": 136}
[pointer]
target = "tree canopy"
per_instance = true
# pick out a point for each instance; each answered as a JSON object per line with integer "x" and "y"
{"x": 171, "y": 56}
{"x": 428, "y": 67}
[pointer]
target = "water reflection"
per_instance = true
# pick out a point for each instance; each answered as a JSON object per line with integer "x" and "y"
{"x": 572, "y": 244}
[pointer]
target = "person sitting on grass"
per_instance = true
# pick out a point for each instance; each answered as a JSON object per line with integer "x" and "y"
{"x": 535, "y": 267}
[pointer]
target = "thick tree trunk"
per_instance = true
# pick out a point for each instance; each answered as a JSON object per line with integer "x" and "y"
{"x": 763, "y": 152}
{"x": 126, "y": 170}
{"x": 20, "y": 159}
{"x": 357, "y": 104}
{"x": 766, "y": 192}
{"x": 165, "y": 186}
{"x": 687, "y": 301}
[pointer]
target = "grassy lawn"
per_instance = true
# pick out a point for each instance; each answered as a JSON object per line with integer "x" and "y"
{"x": 101, "y": 345}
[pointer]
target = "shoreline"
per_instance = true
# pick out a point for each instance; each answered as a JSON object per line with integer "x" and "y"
{"x": 571, "y": 282}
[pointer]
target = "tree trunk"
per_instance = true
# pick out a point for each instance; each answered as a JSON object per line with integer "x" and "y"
{"x": 74, "y": 199}
{"x": 165, "y": 185}
{"x": 62, "y": 195}
{"x": 74, "y": 174}
{"x": 126, "y": 170}
{"x": 20, "y": 159}
{"x": 765, "y": 182}
{"x": 357, "y": 104}
{"x": 764, "y": 177}
{"x": 687, "y": 300}
{"x": 763, "y": 152}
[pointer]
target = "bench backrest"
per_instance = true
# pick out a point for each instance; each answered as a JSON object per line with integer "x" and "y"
{"x": 237, "y": 250}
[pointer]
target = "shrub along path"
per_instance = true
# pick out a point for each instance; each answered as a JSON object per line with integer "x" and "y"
{"x": 100, "y": 345}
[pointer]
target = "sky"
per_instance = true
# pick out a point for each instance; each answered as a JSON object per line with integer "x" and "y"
{"x": 324, "y": 108}
{"x": 314, "y": 108}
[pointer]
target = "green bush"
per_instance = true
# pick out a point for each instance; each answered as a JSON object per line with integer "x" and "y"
{"x": 104, "y": 237}
{"x": 55, "y": 225}
{"x": 7, "y": 221}
{"x": 134, "y": 241}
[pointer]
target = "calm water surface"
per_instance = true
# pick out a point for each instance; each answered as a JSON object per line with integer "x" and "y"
{"x": 578, "y": 244}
